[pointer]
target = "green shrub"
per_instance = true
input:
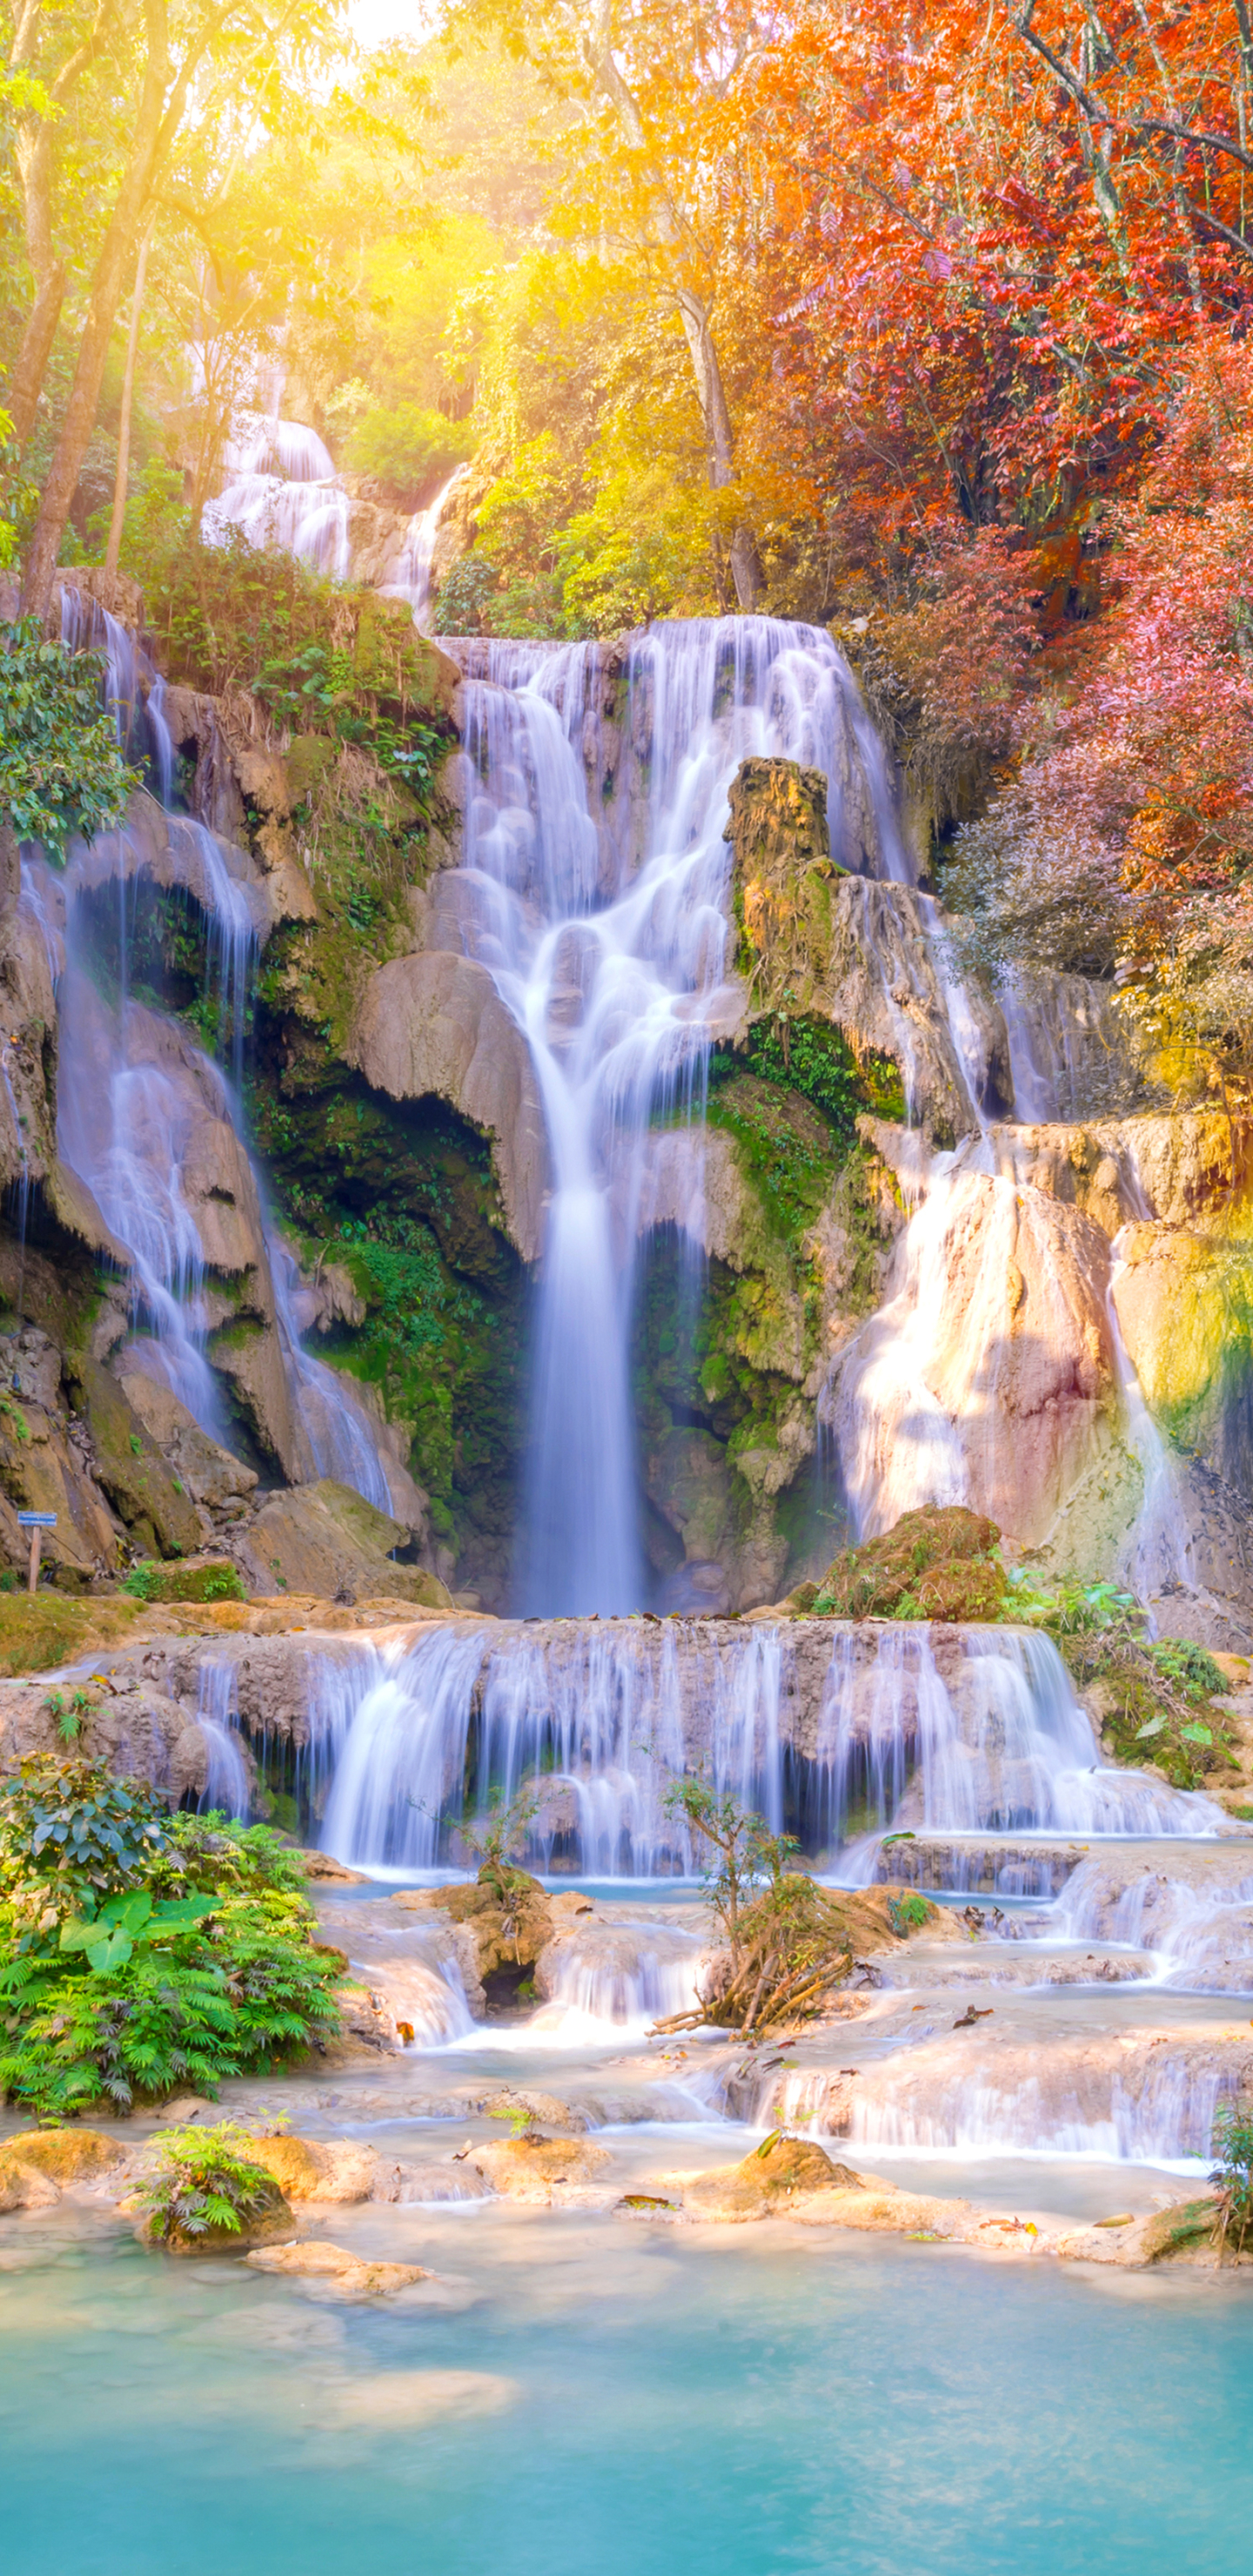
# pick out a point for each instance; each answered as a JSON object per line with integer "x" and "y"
{"x": 151, "y": 1582}
{"x": 138, "y": 1951}
{"x": 208, "y": 2183}
{"x": 61, "y": 772}
{"x": 1233, "y": 2173}
{"x": 409, "y": 451}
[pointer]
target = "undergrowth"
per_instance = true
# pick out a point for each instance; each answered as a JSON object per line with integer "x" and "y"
{"x": 139, "y": 1951}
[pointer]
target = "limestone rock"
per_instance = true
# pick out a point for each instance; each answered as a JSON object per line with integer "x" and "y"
{"x": 210, "y": 1474}
{"x": 65, "y": 2155}
{"x": 768, "y": 2181}
{"x": 308, "y": 2169}
{"x": 351, "y": 2276}
{"x": 131, "y": 1468}
{"x": 250, "y": 1355}
{"x": 323, "y": 1538}
{"x": 533, "y": 2169}
{"x": 44, "y": 1467}
{"x": 434, "y": 1023}
{"x": 23, "y": 2186}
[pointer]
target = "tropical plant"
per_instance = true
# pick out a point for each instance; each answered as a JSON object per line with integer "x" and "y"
{"x": 410, "y": 451}
{"x": 497, "y": 1838}
{"x": 207, "y": 2182}
{"x": 61, "y": 772}
{"x": 140, "y": 1951}
{"x": 1233, "y": 2174}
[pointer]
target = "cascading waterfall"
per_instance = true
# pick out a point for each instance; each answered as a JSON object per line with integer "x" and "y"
{"x": 282, "y": 490}
{"x": 409, "y": 577}
{"x": 133, "y": 1095}
{"x": 596, "y": 1719}
{"x": 613, "y": 959}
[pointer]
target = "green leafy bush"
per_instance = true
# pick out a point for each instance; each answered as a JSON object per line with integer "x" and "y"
{"x": 1233, "y": 2173}
{"x": 409, "y": 451}
{"x": 138, "y": 1951}
{"x": 208, "y": 2183}
{"x": 61, "y": 772}
{"x": 151, "y": 1582}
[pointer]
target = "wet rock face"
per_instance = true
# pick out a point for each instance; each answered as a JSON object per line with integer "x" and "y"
{"x": 434, "y": 1022}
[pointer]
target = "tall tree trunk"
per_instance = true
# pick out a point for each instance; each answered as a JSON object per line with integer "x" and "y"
{"x": 113, "y": 548}
{"x": 21, "y": 400}
{"x": 33, "y": 158}
{"x": 719, "y": 440}
{"x": 116, "y": 251}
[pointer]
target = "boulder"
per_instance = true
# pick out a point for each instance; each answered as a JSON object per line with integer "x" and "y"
{"x": 23, "y": 2186}
{"x": 308, "y": 2169}
{"x": 350, "y": 2275}
{"x": 768, "y": 2181}
{"x": 326, "y": 1539}
{"x": 211, "y": 1475}
{"x": 150, "y": 1498}
{"x": 532, "y": 2169}
{"x": 434, "y": 1023}
{"x": 65, "y": 2155}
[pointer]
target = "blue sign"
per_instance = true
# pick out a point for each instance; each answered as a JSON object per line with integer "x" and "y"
{"x": 37, "y": 1520}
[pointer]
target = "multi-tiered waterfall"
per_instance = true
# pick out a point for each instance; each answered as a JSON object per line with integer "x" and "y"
{"x": 595, "y": 887}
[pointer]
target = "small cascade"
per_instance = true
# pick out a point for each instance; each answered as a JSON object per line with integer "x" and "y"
{"x": 282, "y": 491}
{"x": 617, "y": 1979}
{"x": 1158, "y": 2111}
{"x": 409, "y": 577}
{"x": 336, "y": 1427}
{"x": 1196, "y": 1922}
{"x": 841, "y": 1733}
{"x": 131, "y": 1101}
{"x": 608, "y": 941}
{"x": 601, "y": 1720}
{"x": 1158, "y": 1552}
{"x": 227, "y": 1790}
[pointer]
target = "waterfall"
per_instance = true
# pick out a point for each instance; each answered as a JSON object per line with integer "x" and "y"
{"x": 134, "y": 1095}
{"x": 226, "y": 1791}
{"x": 611, "y": 950}
{"x": 840, "y": 1732}
{"x": 409, "y": 577}
{"x": 283, "y": 491}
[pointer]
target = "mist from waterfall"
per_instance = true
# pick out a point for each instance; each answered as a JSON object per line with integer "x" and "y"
{"x": 609, "y": 941}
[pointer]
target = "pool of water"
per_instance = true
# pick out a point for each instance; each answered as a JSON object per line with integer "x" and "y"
{"x": 590, "y": 2393}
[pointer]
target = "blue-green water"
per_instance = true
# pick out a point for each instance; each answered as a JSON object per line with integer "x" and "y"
{"x": 634, "y": 2404}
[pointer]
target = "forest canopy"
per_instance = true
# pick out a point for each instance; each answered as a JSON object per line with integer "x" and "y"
{"x": 929, "y": 323}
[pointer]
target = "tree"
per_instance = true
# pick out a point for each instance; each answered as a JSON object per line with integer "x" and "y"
{"x": 654, "y": 172}
{"x": 60, "y": 768}
{"x": 216, "y": 53}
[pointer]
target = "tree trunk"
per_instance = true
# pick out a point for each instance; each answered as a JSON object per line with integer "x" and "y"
{"x": 21, "y": 399}
{"x": 113, "y": 548}
{"x": 151, "y": 132}
{"x": 719, "y": 440}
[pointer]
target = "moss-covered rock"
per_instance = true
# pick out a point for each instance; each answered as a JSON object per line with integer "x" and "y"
{"x": 155, "y": 1507}
{"x": 937, "y": 1563}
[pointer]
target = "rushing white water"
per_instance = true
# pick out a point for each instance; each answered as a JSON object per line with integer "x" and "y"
{"x": 409, "y": 577}
{"x": 134, "y": 1095}
{"x": 609, "y": 943}
{"x": 226, "y": 1790}
{"x": 335, "y": 1425}
{"x": 1160, "y": 2113}
{"x": 283, "y": 491}
{"x": 595, "y": 1719}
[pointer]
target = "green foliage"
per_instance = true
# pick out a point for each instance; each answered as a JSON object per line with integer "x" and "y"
{"x": 140, "y": 1951}
{"x": 1233, "y": 2173}
{"x": 1158, "y": 1695}
{"x": 207, "y": 2181}
{"x": 496, "y": 1840}
{"x": 466, "y": 596}
{"x": 148, "y": 1581}
{"x": 410, "y": 451}
{"x": 61, "y": 772}
{"x": 907, "y": 1913}
{"x": 70, "y": 1832}
{"x": 940, "y": 1562}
